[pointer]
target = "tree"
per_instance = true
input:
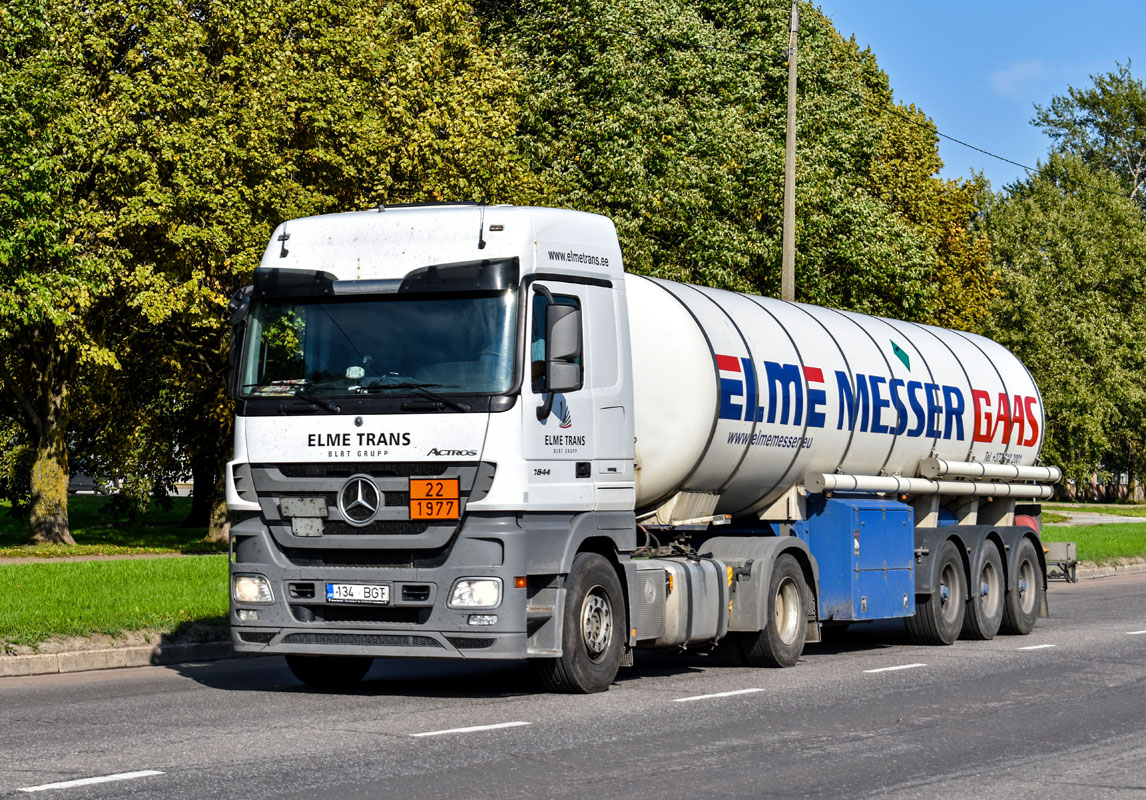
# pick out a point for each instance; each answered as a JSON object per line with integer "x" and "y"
{"x": 191, "y": 129}
{"x": 944, "y": 212}
{"x": 668, "y": 117}
{"x": 55, "y": 271}
{"x": 1071, "y": 250}
{"x": 1104, "y": 125}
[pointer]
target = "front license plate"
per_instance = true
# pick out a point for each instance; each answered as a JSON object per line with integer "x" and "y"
{"x": 435, "y": 499}
{"x": 357, "y": 593}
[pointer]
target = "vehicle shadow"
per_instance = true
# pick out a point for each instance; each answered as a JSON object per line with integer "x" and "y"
{"x": 423, "y": 678}
{"x": 429, "y": 678}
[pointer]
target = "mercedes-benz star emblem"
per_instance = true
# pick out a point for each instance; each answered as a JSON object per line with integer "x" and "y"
{"x": 359, "y": 500}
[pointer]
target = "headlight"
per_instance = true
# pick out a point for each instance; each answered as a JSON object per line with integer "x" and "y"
{"x": 251, "y": 589}
{"x": 476, "y": 593}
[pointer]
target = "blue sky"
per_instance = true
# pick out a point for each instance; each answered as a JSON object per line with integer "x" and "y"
{"x": 977, "y": 68}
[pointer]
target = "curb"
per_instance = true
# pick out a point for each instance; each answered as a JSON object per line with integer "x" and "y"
{"x": 113, "y": 658}
{"x": 1107, "y": 572}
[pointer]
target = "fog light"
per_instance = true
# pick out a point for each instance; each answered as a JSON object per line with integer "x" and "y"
{"x": 483, "y": 619}
{"x": 476, "y": 593}
{"x": 248, "y": 615}
{"x": 251, "y": 589}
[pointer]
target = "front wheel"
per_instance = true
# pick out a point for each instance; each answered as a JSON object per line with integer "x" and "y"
{"x": 329, "y": 672}
{"x": 594, "y": 629}
{"x": 1025, "y": 597}
{"x": 785, "y": 619}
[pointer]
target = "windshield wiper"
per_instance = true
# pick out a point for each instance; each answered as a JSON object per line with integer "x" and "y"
{"x": 285, "y": 391}
{"x": 318, "y": 401}
{"x": 421, "y": 388}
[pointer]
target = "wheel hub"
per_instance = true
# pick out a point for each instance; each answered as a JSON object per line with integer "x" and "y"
{"x": 596, "y": 623}
{"x": 787, "y": 611}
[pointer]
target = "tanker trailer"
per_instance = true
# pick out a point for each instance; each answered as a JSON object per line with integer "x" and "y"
{"x": 465, "y": 432}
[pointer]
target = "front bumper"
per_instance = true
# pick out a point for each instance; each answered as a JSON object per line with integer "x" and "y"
{"x": 415, "y": 623}
{"x": 380, "y": 643}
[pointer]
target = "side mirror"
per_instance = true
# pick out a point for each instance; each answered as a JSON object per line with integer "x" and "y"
{"x": 240, "y": 305}
{"x": 562, "y": 348}
{"x": 237, "y": 310}
{"x": 562, "y": 351}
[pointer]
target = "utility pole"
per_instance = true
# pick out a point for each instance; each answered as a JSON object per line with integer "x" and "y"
{"x": 788, "y": 270}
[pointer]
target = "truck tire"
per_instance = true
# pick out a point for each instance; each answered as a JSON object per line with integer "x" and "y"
{"x": 329, "y": 672}
{"x": 785, "y": 619}
{"x": 592, "y": 638}
{"x": 1025, "y": 597}
{"x": 984, "y": 612}
{"x": 939, "y": 616}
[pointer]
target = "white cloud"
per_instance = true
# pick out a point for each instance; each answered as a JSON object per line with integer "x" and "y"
{"x": 1014, "y": 78}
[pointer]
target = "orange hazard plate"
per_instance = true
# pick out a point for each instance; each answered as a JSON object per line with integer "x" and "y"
{"x": 434, "y": 499}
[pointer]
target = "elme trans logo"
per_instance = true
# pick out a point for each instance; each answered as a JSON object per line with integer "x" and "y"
{"x": 797, "y": 395}
{"x": 560, "y": 409}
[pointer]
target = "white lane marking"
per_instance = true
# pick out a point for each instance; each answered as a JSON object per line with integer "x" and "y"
{"x": 120, "y": 776}
{"x": 473, "y": 729}
{"x": 1038, "y": 647}
{"x": 893, "y": 669}
{"x": 717, "y": 694}
{"x": 1135, "y": 633}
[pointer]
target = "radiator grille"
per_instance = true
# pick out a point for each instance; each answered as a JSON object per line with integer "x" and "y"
{"x": 375, "y": 469}
{"x": 361, "y": 639}
{"x": 392, "y": 559}
{"x": 385, "y": 527}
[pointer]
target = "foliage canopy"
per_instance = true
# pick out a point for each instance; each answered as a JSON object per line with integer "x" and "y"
{"x": 146, "y": 152}
{"x": 1073, "y": 308}
{"x": 669, "y": 117}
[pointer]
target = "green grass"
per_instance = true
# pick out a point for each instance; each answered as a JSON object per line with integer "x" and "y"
{"x": 96, "y": 533}
{"x": 1102, "y": 543}
{"x": 42, "y": 600}
{"x": 1051, "y": 518}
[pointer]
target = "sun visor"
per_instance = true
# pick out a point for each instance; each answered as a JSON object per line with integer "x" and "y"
{"x": 292, "y": 283}
{"x": 487, "y": 275}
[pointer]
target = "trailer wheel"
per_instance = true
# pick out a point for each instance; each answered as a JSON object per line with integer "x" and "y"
{"x": 785, "y": 620}
{"x": 939, "y": 617}
{"x": 1025, "y": 597}
{"x": 984, "y": 612}
{"x": 593, "y": 633}
{"x": 329, "y": 672}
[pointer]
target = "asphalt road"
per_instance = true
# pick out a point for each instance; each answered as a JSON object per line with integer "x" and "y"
{"x": 1057, "y": 714}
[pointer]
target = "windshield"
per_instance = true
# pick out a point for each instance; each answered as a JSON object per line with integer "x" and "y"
{"x": 400, "y": 344}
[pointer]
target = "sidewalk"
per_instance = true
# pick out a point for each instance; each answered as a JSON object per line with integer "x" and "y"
{"x": 1127, "y": 566}
{"x": 1092, "y": 518}
{"x": 113, "y": 658}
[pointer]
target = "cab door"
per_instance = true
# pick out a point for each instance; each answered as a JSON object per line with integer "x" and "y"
{"x": 559, "y": 426}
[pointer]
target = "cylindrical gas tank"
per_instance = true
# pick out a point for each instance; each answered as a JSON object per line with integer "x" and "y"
{"x": 741, "y": 396}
